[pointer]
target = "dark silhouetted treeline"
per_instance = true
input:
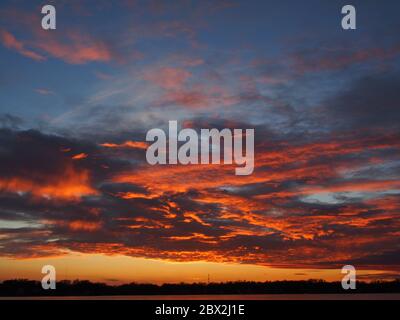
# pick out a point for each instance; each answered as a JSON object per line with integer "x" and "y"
{"x": 22, "y": 287}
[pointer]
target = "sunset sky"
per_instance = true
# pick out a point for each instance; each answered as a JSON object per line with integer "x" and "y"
{"x": 76, "y": 104}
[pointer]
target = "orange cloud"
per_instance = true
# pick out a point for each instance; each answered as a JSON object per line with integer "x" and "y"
{"x": 126, "y": 144}
{"x": 205, "y": 212}
{"x": 72, "y": 184}
{"x": 133, "y": 195}
{"x": 78, "y": 225}
{"x": 80, "y": 156}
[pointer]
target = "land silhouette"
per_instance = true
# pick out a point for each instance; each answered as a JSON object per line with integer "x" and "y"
{"x": 24, "y": 287}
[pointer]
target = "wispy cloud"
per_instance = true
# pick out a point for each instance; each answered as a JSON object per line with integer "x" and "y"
{"x": 10, "y": 42}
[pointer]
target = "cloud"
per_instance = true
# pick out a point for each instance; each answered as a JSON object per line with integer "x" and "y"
{"x": 74, "y": 47}
{"x": 324, "y": 190}
{"x": 126, "y": 144}
{"x": 105, "y": 204}
{"x": 44, "y": 92}
{"x": 339, "y": 58}
{"x": 71, "y": 44}
{"x": 80, "y": 156}
{"x": 55, "y": 175}
{"x": 10, "y": 42}
{"x": 167, "y": 77}
{"x": 182, "y": 89}
{"x": 10, "y": 121}
{"x": 198, "y": 98}
{"x": 370, "y": 102}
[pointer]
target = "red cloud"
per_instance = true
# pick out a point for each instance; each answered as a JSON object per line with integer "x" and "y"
{"x": 167, "y": 77}
{"x": 10, "y": 42}
{"x": 178, "y": 91}
{"x": 76, "y": 48}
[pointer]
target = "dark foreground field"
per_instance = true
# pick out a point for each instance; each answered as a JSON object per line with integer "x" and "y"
{"x": 21, "y": 288}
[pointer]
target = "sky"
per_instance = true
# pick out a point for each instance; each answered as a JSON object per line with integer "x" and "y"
{"x": 76, "y": 103}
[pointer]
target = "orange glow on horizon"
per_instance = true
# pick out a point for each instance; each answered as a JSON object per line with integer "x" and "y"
{"x": 121, "y": 269}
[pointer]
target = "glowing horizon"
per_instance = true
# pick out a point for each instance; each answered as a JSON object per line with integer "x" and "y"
{"x": 122, "y": 269}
